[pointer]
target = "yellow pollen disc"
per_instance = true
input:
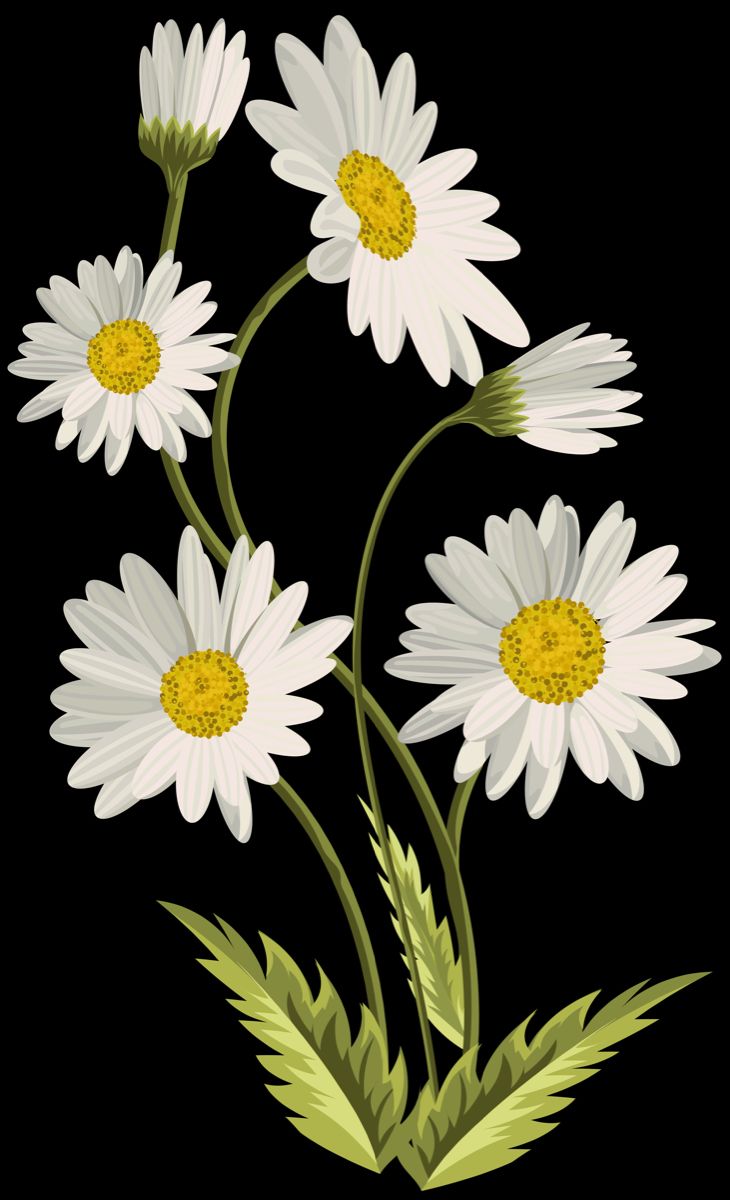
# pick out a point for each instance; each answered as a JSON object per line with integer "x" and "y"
{"x": 205, "y": 693}
{"x": 124, "y": 356}
{"x": 387, "y": 213}
{"x": 553, "y": 651}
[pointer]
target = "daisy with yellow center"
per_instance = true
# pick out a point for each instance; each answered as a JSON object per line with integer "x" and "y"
{"x": 122, "y": 355}
{"x": 544, "y": 648}
{"x": 193, "y": 689}
{"x": 394, "y": 224}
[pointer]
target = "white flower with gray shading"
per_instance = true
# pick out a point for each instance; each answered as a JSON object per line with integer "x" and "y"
{"x": 544, "y": 648}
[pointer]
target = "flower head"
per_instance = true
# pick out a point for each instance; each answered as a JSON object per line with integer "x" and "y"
{"x": 193, "y": 689}
{"x": 555, "y": 395}
{"x": 547, "y": 648}
{"x": 189, "y": 96}
{"x": 394, "y": 223}
{"x": 123, "y": 354}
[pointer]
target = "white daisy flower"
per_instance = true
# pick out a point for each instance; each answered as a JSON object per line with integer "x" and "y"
{"x": 395, "y": 224}
{"x": 122, "y": 354}
{"x": 193, "y": 690}
{"x": 201, "y": 84}
{"x": 547, "y": 648}
{"x": 555, "y": 395}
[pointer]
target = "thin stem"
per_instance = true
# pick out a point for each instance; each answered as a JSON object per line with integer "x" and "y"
{"x": 224, "y": 393}
{"x": 171, "y": 228}
{"x": 184, "y": 497}
{"x": 338, "y": 875}
{"x": 457, "y": 812}
{"x": 452, "y": 875}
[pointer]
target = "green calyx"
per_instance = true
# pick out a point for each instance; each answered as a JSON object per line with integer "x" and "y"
{"x": 176, "y": 150}
{"x": 495, "y": 405}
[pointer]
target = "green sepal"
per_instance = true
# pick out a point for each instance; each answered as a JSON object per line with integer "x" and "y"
{"x": 478, "y": 1123}
{"x": 176, "y": 150}
{"x": 345, "y": 1095}
{"x": 495, "y": 405}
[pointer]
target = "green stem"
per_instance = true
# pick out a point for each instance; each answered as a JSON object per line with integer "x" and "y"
{"x": 452, "y": 875}
{"x": 224, "y": 392}
{"x": 343, "y": 887}
{"x": 220, "y": 552}
{"x": 457, "y": 812}
{"x": 171, "y": 228}
{"x": 184, "y": 497}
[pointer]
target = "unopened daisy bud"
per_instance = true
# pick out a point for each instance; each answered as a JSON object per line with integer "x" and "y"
{"x": 189, "y": 96}
{"x": 555, "y": 396}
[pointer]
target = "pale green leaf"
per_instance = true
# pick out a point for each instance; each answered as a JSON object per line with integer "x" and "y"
{"x": 479, "y": 1123}
{"x": 344, "y": 1094}
{"x": 440, "y": 974}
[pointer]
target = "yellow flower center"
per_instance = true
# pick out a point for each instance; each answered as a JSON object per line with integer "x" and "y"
{"x": 205, "y": 693}
{"x": 124, "y": 356}
{"x": 553, "y": 651}
{"x": 387, "y": 213}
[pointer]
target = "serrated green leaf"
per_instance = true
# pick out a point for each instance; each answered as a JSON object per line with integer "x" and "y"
{"x": 477, "y": 1124}
{"x": 441, "y": 975}
{"x": 346, "y": 1097}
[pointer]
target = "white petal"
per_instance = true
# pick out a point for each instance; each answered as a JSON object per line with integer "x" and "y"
{"x": 547, "y": 732}
{"x": 464, "y": 695}
{"x": 650, "y": 650}
{"x": 623, "y": 769}
{"x": 75, "y": 729}
{"x": 119, "y": 751}
{"x": 303, "y": 171}
{"x": 439, "y": 173}
{"x": 107, "y": 287}
{"x": 472, "y": 294}
{"x": 256, "y": 763}
{"x": 598, "y": 542}
{"x": 159, "y": 765}
{"x": 94, "y": 699}
{"x": 399, "y": 96}
{"x": 51, "y": 398}
{"x": 607, "y": 565}
{"x": 464, "y": 353}
{"x": 470, "y": 759}
{"x": 609, "y": 707}
{"x": 637, "y": 579}
{"x": 121, "y": 414}
{"x": 490, "y": 597}
{"x": 481, "y": 243}
{"x": 234, "y": 577}
{"x": 115, "y": 797}
{"x": 253, "y": 594}
{"x": 231, "y": 785}
{"x": 367, "y": 115}
{"x": 359, "y": 292}
{"x": 194, "y": 783}
{"x": 588, "y": 745}
{"x": 331, "y": 262}
{"x": 529, "y": 558}
{"x": 155, "y": 607}
{"x": 101, "y": 629}
{"x": 442, "y": 667}
{"x": 498, "y": 703}
{"x": 66, "y": 304}
{"x": 563, "y": 442}
{"x": 311, "y": 91}
{"x": 412, "y": 146}
{"x": 652, "y": 601}
{"x": 228, "y": 100}
{"x": 286, "y": 129}
{"x": 427, "y": 724}
{"x": 509, "y": 754}
{"x": 198, "y": 593}
{"x": 67, "y": 431}
{"x": 652, "y": 738}
{"x": 93, "y": 431}
{"x": 273, "y": 627}
{"x": 83, "y": 398}
{"x": 112, "y": 671}
{"x": 333, "y": 218}
{"x": 455, "y": 208}
{"x": 423, "y": 318}
{"x": 273, "y": 737}
{"x": 210, "y": 75}
{"x": 450, "y": 621}
{"x": 386, "y": 313}
{"x": 634, "y": 682}
{"x": 341, "y": 45}
{"x": 541, "y": 784}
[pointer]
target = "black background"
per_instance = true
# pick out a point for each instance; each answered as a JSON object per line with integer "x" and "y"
{"x": 596, "y": 134}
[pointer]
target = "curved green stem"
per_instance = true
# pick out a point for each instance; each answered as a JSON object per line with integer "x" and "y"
{"x": 224, "y": 393}
{"x": 171, "y": 228}
{"x": 452, "y": 875}
{"x": 353, "y": 912}
{"x": 457, "y": 812}
{"x": 184, "y": 497}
